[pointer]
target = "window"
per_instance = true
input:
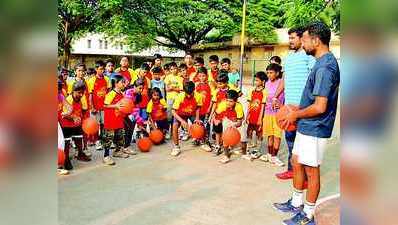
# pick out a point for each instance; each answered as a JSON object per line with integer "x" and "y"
{"x": 100, "y": 44}
{"x": 106, "y": 44}
{"x": 88, "y": 43}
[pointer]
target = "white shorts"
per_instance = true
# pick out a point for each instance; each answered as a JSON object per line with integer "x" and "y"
{"x": 242, "y": 129}
{"x": 309, "y": 149}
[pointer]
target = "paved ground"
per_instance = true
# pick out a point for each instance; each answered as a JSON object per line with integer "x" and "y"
{"x": 192, "y": 189}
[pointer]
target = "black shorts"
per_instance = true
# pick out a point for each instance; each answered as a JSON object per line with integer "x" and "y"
{"x": 70, "y": 132}
{"x": 218, "y": 128}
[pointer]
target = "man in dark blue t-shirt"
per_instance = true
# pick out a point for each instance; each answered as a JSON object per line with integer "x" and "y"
{"x": 315, "y": 121}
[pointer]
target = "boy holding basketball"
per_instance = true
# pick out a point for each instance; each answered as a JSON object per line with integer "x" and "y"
{"x": 229, "y": 113}
{"x": 185, "y": 107}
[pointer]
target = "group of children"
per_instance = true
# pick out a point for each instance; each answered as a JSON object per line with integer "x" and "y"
{"x": 169, "y": 98}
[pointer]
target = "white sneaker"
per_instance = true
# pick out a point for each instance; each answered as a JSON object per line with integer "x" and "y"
{"x": 108, "y": 161}
{"x": 120, "y": 154}
{"x": 185, "y": 137}
{"x": 264, "y": 158}
{"x": 87, "y": 152}
{"x": 175, "y": 151}
{"x": 130, "y": 151}
{"x": 167, "y": 136}
{"x": 62, "y": 171}
{"x": 247, "y": 156}
{"x": 275, "y": 160}
{"x": 98, "y": 145}
{"x": 206, "y": 147}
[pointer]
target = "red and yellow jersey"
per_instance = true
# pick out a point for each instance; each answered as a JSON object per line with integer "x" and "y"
{"x": 233, "y": 114}
{"x": 98, "y": 87}
{"x": 113, "y": 119}
{"x": 256, "y": 98}
{"x": 85, "y": 98}
{"x": 191, "y": 70}
{"x": 212, "y": 75}
{"x": 74, "y": 109}
{"x": 127, "y": 74}
{"x": 187, "y": 106}
{"x": 157, "y": 110}
{"x": 205, "y": 92}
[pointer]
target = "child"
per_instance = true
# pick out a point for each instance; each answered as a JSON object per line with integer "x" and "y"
{"x": 157, "y": 112}
{"x": 166, "y": 70}
{"x": 275, "y": 59}
{"x": 199, "y": 62}
{"x": 233, "y": 76}
{"x": 203, "y": 88}
{"x": 230, "y": 113}
{"x": 186, "y": 107}
{"x": 189, "y": 62}
{"x": 174, "y": 84}
{"x": 90, "y": 73}
{"x": 124, "y": 69}
{"x": 142, "y": 74}
{"x": 271, "y": 129}
{"x": 183, "y": 72}
{"x": 71, "y": 122}
{"x": 114, "y": 121}
{"x": 98, "y": 87}
{"x": 213, "y": 71}
{"x": 157, "y": 80}
{"x": 256, "y": 99}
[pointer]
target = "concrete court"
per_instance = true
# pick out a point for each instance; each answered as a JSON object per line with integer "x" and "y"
{"x": 193, "y": 189}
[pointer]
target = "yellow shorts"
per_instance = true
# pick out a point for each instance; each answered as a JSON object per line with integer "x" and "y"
{"x": 270, "y": 127}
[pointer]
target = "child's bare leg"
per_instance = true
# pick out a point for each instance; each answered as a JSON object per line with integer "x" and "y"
{"x": 218, "y": 138}
{"x": 243, "y": 147}
{"x": 175, "y": 128}
{"x": 271, "y": 145}
{"x": 277, "y": 143}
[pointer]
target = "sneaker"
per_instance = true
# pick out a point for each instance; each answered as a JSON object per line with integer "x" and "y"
{"x": 217, "y": 150}
{"x": 83, "y": 157}
{"x": 224, "y": 160}
{"x": 285, "y": 175}
{"x": 276, "y": 161}
{"x": 255, "y": 154}
{"x": 98, "y": 145}
{"x": 185, "y": 137}
{"x": 206, "y": 147}
{"x": 247, "y": 157}
{"x": 264, "y": 158}
{"x": 300, "y": 218}
{"x": 87, "y": 152}
{"x": 287, "y": 207}
{"x": 175, "y": 151}
{"x": 113, "y": 146}
{"x": 108, "y": 161}
{"x": 130, "y": 151}
{"x": 120, "y": 154}
{"x": 62, "y": 171}
{"x": 167, "y": 136}
{"x": 251, "y": 145}
{"x": 196, "y": 142}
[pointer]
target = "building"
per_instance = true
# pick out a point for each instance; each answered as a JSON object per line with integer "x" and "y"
{"x": 94, "y": 47}
{"x": 256, "y": 54}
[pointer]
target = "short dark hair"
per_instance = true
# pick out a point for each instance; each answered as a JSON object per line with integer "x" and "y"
{"x": 213, "y": 58}
{"x": 199, "y": 60}
{"x": 79, "y": 86}
{"x": 99, "y": 63}
{"x": 276, "y": 59}
{"x": 183, "y": 66}
{"x": 145, "y": 67}
{"x": 320, "y": 30}
{"x": 261, "y": 75}
{"x": 157, "y": 90}
{"x": 173, "y": 64}
{"x": 299, "y": 30}
{"x": 202, "y": 70}
{"x": 110, "y": 61}
{"x": 222, "y": 76}
{"x": 166, "y": 66}
{"x": 80, "y": 65}
{"x": 189, "y": 87}
{"x": 139, "y": 82}
{"x": 226, "y": 60}
{"x": 91, "y": 71}
{"x": 232, "y": 94}
{"x": 116, "y": 79}
{"x": 275, "y": 67}
{"x": 156, "y": 69}
{"x": 157, "y": 56}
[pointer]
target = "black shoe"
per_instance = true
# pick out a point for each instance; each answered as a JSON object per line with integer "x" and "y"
{"x": 68, "y": 165}
{"x": 216, "y": 150}
{"x": 83, "y": 157}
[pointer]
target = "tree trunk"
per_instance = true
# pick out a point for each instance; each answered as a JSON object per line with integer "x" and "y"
{"x": 66, "y": 46}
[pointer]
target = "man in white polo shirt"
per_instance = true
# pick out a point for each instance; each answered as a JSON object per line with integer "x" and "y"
{"x": 297, "y": 65}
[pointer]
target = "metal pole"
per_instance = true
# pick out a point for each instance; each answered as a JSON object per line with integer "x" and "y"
{"x": 242, "y": 44}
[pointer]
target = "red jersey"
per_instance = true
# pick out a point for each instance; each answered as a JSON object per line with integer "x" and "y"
{"x": 113, "y": 119}
{"x": 99, "y": 88}
{"x": 191, "y": 70}
{"x": 205, "y": 91}
{"x": 256, "y": 98}
{"x": 77, "y": 111}
{"x": 145, "y": 95}
{"x": 214, "y": 74}
{"x": 126, "y": 74}
{"x": 187, "y": 106}
{"x": 157, "y": 109}
{"x": 220, "y": 94}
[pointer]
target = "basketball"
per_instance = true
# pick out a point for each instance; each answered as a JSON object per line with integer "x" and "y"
{"x": 61, "y": 157}
{"x": 230, "y": 137}
{"x": 127, "y": 105}
{"x": 281, "y": 114}
{"x": 90, "y": 126}
{"x": 197, "y": 131}
{"x": 156, "y": 136}
{"x": 144, "y": 144}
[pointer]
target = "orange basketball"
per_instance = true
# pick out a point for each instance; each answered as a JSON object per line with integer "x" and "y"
{"x": 197, "y": 131}
{"x": 281, "y": 114}
{"x": 61, "y": 157}
{"x": 90, "y": 126}
{"x": 144, "y": 144}
{"x": 127, "y": 105}
{"x": 231, "y": 137}
{"x": 156, "y": 136}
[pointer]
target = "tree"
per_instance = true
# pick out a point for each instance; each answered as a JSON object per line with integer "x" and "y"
{"x": 75, "y": 18}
